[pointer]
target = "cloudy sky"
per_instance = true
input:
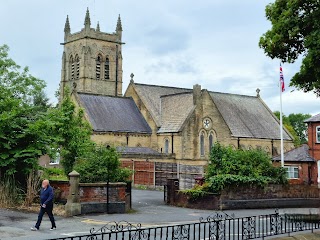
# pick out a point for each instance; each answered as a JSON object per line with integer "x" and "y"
{"x": 170, "y": 42}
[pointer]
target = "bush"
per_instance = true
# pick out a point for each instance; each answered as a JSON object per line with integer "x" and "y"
{"x": 10, "y": 193}
{"x": 54, "y": 174}
{"x": 100, "y": 165}
{"x": 229, "y": 167}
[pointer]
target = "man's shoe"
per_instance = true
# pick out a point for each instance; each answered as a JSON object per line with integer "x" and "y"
{"x": 34, "y": 229}
{"x": 53, "y": 228}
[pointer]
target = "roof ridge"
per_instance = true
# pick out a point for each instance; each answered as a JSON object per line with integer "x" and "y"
{"x": 243, "y": 95}
{"x": 101, "y": 95}
{"x": 174, "y": 94}
{"x": 153, "y": 85}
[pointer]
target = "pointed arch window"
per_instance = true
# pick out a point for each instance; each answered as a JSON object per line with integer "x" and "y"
{"x": 107, "y": 69}
{"x": 166, "y": 146}
{"x": 72, "y": 68}
{"x": 77, "y": 62}
{"x": 201, "y": 144}
{"x": 98, "y": 67}
{"x": 210, "y": 141}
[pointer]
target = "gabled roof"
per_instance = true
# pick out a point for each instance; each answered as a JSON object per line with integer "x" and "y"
{"x": 150, "y": 96}
{"x": 247, "y": 116}
{"x": 299, "y": 154}
{"x": 113, "y": 114}
{"x": 315, "y": 118}
{"x": 175, "y": 109}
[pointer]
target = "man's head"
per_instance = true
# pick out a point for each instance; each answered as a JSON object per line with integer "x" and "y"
{"x": 45, "y": 183}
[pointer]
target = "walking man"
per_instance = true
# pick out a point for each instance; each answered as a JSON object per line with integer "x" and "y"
{"x": 46, "y": 202}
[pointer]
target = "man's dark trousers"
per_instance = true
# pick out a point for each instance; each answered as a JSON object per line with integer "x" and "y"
{"x": 48, "y": 209}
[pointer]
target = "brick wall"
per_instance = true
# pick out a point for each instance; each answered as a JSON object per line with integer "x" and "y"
{"x": 246, "y": 197}
{"x": 313, "y": 145}
{"x": 91, "y": 192}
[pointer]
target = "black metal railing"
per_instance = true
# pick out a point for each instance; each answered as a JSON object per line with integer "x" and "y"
{"x": 219, "y": 226}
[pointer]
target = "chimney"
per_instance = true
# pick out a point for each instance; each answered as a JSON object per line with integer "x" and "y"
{"x": 196, "y": 93}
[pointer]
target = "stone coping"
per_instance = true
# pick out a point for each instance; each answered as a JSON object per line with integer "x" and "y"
{"x": 102, "y": 184}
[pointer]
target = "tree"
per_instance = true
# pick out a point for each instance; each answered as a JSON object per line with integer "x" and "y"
{"x": 73, "y": 132}
{"x": 295, "y": 31}
{"x": 24, "y": 135}
{"x": 294, "y": 123}
{"x": 102, "y": 164}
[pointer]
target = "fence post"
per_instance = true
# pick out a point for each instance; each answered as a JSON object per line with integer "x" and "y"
{"x": 73, "y": 206}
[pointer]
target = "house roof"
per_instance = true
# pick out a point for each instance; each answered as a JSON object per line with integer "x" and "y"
{"x": 137, "y": 150}
{"x": 247, "y": 116}
{"x": 315, "y": 118}
{"x": 113, "y": 114}
{"x": 150, "y": 95}
{"x": 299, "y": 154}
{"x": 175, "y": 109}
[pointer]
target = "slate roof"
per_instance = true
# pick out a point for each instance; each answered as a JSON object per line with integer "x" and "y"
{"x": 315, "y": 118}
{"x": 175, "y": 109}
{"x": 137, "y": 150}
{"x": 113, "y": 114}
{"x": 299, "y": 154}
{"x": 150, "y": 95}
{"x": 247, "y": 116}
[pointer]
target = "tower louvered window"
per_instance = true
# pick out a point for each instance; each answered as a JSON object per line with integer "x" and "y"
{"x": 77, "y": 67}
{"x": 98, "y": 67}
{"x": 107, "y": 69}
{"x": 72, "y": 68}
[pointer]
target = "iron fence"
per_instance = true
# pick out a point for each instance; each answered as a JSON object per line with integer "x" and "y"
{"x": 219, "y": 226}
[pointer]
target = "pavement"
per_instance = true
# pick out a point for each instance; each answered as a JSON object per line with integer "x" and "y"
{"x": 149, "y": 210}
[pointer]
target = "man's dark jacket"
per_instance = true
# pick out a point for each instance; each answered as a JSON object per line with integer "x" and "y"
{"x": 46, "y": 196}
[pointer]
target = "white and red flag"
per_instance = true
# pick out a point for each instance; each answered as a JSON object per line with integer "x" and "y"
{"x": 282, "y": 79}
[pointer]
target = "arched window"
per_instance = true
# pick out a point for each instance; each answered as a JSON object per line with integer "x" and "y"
{"x": 71, "y": 68}
{"x": 107, "y": 69}
{"x": 98, "y": 67}
{"x": 202, "y": 144}
{"x": 77, "y": 60}
{"x": 166, "y": 146}
{"x": 210, "y": 141}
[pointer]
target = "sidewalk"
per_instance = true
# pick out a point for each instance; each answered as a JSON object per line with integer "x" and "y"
{"x": 301, "y": 236}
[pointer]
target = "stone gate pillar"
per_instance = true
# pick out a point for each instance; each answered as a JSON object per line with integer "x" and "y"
{"x": 73, "y": 206}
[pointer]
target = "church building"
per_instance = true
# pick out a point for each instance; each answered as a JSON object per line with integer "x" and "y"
{"x": 160, "y": 131}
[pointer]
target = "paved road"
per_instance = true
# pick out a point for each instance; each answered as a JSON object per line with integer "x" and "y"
{"x": 149, "y": 207}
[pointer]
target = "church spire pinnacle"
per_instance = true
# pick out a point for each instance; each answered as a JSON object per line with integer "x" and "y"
{"x": 67, "y": 26}
{"x": 98, "y": 27}
{"x": 87, "y": 21}
{"x": 119, "y": 25}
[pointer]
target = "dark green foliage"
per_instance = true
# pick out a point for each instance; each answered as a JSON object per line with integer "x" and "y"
{"x": 73, "y": 132}
{"x": 229, "y": 167}
{"x": 100, "y": 165}
{"x": 295, "y": 31}
{"x": 294, "y": 123}
{"x": 24, "y": 135}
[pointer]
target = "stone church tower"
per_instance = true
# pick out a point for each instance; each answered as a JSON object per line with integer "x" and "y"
{"x": 92, "y": 60}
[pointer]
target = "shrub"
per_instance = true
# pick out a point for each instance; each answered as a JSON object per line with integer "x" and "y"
{"x": 100, "y": 165}
{"x": 229, "y": 167}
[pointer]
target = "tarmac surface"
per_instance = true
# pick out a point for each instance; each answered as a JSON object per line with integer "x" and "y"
{"x": 149, "y": 210}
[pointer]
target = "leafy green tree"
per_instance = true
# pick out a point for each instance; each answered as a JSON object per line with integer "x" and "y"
{"x": 228, "y": 167}
{"x": 102, "y": 164}
{"x": 298, "y": 124}
{"x": 74, "y": 133}
{"x": 24, "y": 135}
{"x": 295, "y": 31}
{"x": 294, "y": 123}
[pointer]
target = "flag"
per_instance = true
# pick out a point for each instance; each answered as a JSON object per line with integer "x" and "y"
{"x": 281, "y": 79}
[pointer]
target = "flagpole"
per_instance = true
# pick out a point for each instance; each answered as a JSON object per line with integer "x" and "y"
{"x": 281, "y": 125}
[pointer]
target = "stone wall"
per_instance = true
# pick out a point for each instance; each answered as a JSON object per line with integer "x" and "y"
{"x": 248, "y": 197}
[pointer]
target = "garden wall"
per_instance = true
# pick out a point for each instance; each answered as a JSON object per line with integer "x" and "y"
{"x": 93, "y": 196}
{"x": 247, "y": 197}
